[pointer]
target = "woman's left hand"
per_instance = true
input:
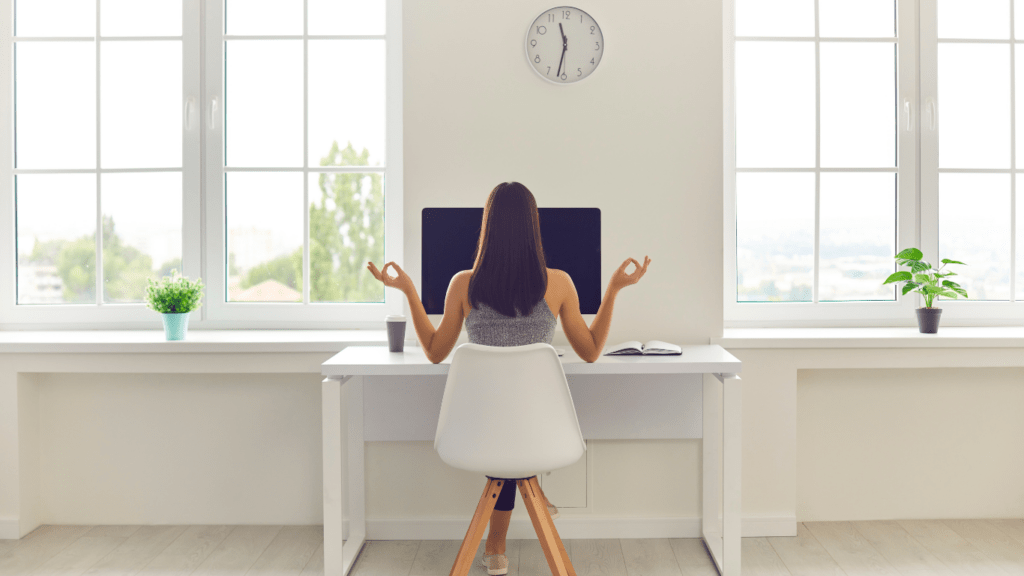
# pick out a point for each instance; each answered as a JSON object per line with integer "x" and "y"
{"x": 403, "y": 282}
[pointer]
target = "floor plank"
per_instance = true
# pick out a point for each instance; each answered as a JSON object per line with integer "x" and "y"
{"x": 188, "y": 551}
{"x": 290, "y": 551}
{"x": 693, "y": 557}
{"x": 897, "y": 546}
{"x": 1004, "y": 550}
{"x": 386, "y": 558}
{"x": 758, "y": 558}
{"x": 315, "y": 566}
{"x": 80, "y": 555}
{"x": 37, "y": 547}
{"x": 649, "y": 557}
{"x": 854, "y": 554}
{"x": 802, "y": 554}
{"x": 597, "y": 557}
{"x": 238, "y": 551}
{"x": 1013, "y": 527}
{"x": 436, "y": 558}
{"x": 136, "y": 551}
{"x": 962, "y": 557}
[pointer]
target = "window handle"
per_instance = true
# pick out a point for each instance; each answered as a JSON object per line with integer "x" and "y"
{"x": 910, "y": 114}
{"x": 190, "y": 105}
{"x": 933, "y": 114}
{"x": 213, "y": 113}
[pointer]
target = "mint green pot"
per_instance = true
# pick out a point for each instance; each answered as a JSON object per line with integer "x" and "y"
{"x": 175, "y": 325}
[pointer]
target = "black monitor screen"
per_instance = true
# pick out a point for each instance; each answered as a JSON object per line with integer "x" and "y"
{"x": 571, "y": 238}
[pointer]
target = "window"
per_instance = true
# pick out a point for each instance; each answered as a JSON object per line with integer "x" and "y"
{"x": 254, "y": 144}
{"x": 824, "y": 183}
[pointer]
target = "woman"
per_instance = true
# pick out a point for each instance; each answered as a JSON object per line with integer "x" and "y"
{"x": 510, "y": 298}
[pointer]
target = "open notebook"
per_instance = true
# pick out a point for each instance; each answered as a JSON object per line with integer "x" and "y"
{"x": 634, "y": 347}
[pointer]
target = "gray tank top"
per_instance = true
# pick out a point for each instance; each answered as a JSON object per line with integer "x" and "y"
{"x": 487, "y": 326}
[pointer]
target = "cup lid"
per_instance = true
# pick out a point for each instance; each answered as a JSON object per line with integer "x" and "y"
{"x": 395, "y": 318}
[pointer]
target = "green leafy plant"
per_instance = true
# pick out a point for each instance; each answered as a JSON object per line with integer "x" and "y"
{"x": 924, "y": 279}
{"x": 174, "y": 294}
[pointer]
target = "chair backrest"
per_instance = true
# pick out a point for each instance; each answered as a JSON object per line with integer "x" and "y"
{"x": 507, "y": 412}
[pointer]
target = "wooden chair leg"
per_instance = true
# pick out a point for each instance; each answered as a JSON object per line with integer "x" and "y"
{"x": 554, "y": 551}
{"x": 475, "y": 533}
{"x": 551, "y": 522}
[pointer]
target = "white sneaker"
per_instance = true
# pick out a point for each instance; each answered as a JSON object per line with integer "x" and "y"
{"x": 553, "y": 511}
{"x": 497, "y": 564}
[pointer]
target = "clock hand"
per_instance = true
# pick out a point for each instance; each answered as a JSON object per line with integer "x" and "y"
{"x": 565, "y": 46}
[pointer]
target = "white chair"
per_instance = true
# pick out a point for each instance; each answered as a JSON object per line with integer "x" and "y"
{"x": 507, "y": 413}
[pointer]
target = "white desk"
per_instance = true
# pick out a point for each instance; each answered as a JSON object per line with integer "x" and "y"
{"x": 346, "y": 372}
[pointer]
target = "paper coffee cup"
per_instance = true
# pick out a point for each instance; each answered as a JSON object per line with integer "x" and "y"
{"x": 396, "y": 332}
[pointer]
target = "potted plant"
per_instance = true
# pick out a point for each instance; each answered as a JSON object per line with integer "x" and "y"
{"x": 174, "y": 297}
{"x": 929, "y": 282}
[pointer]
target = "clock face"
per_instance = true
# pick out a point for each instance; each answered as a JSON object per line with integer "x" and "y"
{"x": 564, "y": 45}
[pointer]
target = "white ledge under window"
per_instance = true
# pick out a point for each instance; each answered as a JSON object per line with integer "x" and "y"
{"x": 197, "y": 341}
{"x": 901, "y": 337}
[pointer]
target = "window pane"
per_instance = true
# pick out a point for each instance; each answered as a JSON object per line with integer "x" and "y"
{"x": 56, "y": 248}
{"x": 976, "y": 19}
{"x": 55, "y": 102}
{"x": 775, "y": 104}
{"x": 265, "y": 227}
{"x": 141, "y": 231}
{"x": 55, "y": 17}
{"x": 263, "y": 17}
{"x": 858, "y": 236}
{"x": 346, "y": 230}
{"x": 346, "y": 17}
{"x": 1020, "y": 241}
{"x": 974, "y": 228}
{"x": 141, "y": 105}
{"x": 263, "y": 103}
{"x": 774, "y": 237}
{"x": 346, "y": 98}
{"x": 857, "y": 18}
{"x": 858, "y": 104}
{"x": 974, "y": 106}
{"x": 1018, "y": 19}
{"x": 135, "y": 18}
{"x": 775, "y": 17}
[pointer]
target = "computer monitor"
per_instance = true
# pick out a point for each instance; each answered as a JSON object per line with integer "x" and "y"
{"x": 571, "y": 238}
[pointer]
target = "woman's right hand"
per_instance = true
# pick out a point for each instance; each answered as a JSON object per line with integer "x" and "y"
{"x": 620, "y": 279}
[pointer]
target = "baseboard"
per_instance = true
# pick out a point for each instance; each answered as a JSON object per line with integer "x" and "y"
{"x": 9, "y": 528}
{"x": 569, "y": 527}
{"x": 574, "y": 527}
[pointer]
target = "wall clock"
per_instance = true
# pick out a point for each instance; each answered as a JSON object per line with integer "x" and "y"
{"x": 564, "y": 45}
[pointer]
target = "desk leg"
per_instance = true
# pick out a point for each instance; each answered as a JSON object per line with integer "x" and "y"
{"x": 722, "y": 452}
{"x": 339, "y": 558}
{"x": 732, "y": 452}
{"x": 711, "y": 519}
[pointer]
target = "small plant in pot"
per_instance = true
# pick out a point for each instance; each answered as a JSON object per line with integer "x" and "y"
{"x": 929, "y": 282}
{"x": 174, "y": 297}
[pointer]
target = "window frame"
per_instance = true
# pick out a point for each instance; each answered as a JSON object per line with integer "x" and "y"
{"x": 202, "y": 197}
{"x": 792, "y": 314}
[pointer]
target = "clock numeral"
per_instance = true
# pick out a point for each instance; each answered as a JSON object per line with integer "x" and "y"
{"x": 549, "y": 70}
{"x": 565, "y": 14}
{"x": 564, "y": 76}
{"x": 598, "y": 44}
{"x": 592, "y": 28}
{"x": 581, "y": 18}
{"x": 533, "y": 42}
{"x": 579, "y": 72}
{"x": 542, "y": 30}
{"x": 591, "y": 61}
{"x": 551, "y": 17}
{"x": 537, "y": 59}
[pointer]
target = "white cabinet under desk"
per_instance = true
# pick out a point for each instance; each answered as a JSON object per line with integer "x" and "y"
{"x": 397, "y": 396}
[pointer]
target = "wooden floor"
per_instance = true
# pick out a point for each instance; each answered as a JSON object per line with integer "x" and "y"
{"x": 897, "y": 547}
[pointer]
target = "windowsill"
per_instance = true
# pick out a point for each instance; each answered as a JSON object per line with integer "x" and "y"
{"x": 902, "y": 337}
{"x": 196, "y": 341}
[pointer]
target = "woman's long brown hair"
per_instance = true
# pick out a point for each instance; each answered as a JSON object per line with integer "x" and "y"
{"x": 509, "y": 271}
